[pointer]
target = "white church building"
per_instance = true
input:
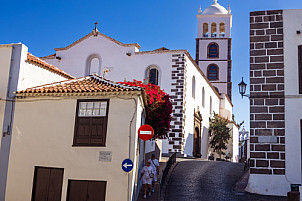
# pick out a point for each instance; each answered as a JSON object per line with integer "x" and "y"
{"x": 198, "y": 88}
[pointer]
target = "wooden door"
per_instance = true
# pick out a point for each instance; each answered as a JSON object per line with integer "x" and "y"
{"x": 47, "y": 184}
{"x": 96, "y": 191}
{"x": 86, "y": 190}
{"x": 196, "y": 142}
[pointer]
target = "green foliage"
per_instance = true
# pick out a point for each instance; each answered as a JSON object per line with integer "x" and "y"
{"x": 219, "y": 134}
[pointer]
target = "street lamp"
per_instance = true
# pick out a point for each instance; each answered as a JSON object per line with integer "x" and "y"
{"x": 242, "y": 88}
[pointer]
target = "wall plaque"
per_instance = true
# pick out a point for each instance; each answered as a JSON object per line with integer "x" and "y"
{"x": 105, "y": 156}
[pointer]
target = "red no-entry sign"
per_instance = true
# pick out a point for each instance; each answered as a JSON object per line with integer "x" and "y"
{"x": 145, "y": 132}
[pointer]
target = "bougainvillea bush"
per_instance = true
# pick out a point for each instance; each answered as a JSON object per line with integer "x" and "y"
{"x": 158, "y": 108}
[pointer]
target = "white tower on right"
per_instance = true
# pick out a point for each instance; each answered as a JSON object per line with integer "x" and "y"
{"x": 214, "y": 45}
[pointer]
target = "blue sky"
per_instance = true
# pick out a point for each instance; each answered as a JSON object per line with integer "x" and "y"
{"x": 44, "y": 25}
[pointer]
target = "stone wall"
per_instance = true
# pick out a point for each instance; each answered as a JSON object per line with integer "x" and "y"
{"x": 267, "y": 93}
{"x": 177, "y": 95}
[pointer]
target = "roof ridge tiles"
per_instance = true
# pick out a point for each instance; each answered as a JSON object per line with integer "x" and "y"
{"x": 87, "y": 84}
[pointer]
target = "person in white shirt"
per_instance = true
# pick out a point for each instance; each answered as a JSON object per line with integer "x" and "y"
{"x": 147, "y": 175}
{"x": 155, "y": 165}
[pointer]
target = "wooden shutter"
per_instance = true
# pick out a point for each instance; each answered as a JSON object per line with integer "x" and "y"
{"x": 86, "y": 190}
{"x": 47, "y": 184}
{"x": 98, "y": 131}
{"x": 83, "y": 130}
{"x": 300, "y": 68}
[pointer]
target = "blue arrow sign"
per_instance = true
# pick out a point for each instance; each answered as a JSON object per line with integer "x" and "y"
{"x": 127, "y": 165}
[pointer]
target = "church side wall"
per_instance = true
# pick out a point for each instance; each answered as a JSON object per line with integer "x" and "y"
{"x": 191, "y": 103}
{"x": 176, "y": 136}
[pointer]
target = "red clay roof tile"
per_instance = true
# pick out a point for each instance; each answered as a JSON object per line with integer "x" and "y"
{"x": 47, "y": 66}
{"x": 91, "y": 83}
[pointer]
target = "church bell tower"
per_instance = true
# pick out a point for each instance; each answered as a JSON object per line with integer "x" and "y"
{"x": 214, "y": 45}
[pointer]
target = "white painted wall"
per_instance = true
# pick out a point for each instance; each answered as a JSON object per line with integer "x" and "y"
{"x": 235, "y": 136}
{"x": 46, "y": 137}
{"x": 225, "y": 107}
{"x": 191, "y": 104}
{"x": 293, "y": 106}
{"x": 273, "y": 185}
{"x": 32, "y": 75}
{"x": 5, "y": 62}
{"x": 110, "y": 54}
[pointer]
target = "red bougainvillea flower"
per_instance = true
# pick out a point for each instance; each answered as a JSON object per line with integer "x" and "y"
{"x": 158, "y": 108}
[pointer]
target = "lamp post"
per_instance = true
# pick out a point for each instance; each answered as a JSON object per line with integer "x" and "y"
{"x": 242, "y": 88}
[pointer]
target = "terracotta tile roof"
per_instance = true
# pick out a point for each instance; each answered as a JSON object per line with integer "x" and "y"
{"x": 47, "y": 66}
{"x": 52, "y": 56}
{"x": 88, "y": 84}
{"x": 160, "y": 50}
{"x": 98, "y": 33}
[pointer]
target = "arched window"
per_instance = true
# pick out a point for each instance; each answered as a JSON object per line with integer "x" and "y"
{"x": 153, "y": 75}
{"x": 193, "y": 86}
{"x": 94, "y": 66}
{"x": 213, "y": 29}
{"x": 205, "y": 30}
{"x": 213, "y": 72}
{"x": 222, "y": 29}
{"x": 203, "y": 97}
{"x": 213, "y": 50}
{"x": 210, "y": 105}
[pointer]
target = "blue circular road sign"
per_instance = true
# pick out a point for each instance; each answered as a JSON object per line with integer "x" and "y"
{"x": 127, "y": 165}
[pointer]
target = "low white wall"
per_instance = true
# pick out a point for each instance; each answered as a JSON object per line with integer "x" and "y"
{"x": 235, "y": 133}
{"x": 273, "y": 185}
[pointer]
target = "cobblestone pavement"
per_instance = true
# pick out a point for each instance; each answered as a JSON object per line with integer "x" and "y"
{"x": 196, "y": 180}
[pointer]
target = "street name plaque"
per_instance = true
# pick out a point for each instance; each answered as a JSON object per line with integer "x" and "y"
{"x": 105, "y": 156}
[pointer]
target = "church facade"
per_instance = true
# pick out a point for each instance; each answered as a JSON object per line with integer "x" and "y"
{"x": 196, "y": 95}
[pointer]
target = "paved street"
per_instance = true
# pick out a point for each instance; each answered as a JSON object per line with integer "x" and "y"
{"x": 196, "y": 180}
